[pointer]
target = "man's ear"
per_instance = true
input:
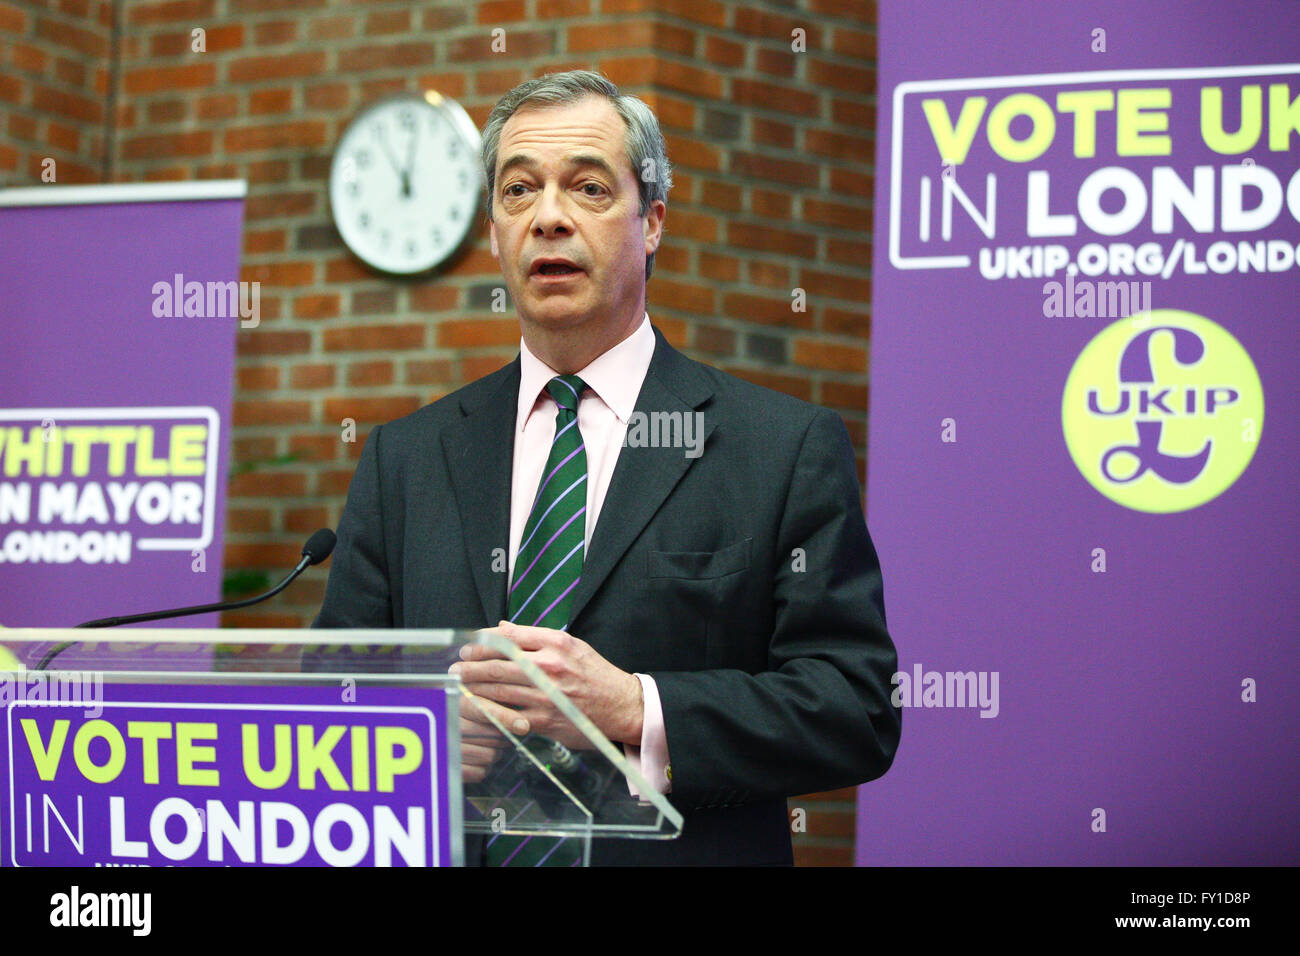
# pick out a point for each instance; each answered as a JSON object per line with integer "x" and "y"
{"x": 492, "y": 235}
{"x": 654, "y": 225}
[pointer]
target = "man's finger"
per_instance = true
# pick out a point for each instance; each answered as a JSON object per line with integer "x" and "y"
{"x": 510, "y": 719}
{"x": 480, "y": 652}
{"x": 478, "y": 756}
{"x": 480, "y": 731}
{"x": 530, "y": 638}
{"x": 518, "y": 696}
{"x": 469, "y": 711}
{"x": 489, "y": 672}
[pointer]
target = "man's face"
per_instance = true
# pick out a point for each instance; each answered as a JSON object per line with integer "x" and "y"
{"x": 565, "y": 190}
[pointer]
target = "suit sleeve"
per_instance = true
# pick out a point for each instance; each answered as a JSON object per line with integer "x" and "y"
{"x": 357, "y": 594}
{"x": 820, "y": 717}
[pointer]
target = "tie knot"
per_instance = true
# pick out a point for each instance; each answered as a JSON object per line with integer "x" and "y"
{"x": 566, "y": 390}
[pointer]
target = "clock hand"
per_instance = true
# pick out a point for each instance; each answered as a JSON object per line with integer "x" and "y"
{"x": 383, "y": 141}
{"x": 410, "y": 164}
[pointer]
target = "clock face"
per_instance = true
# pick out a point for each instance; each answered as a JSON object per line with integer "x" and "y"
{"x": 406, "y": 182}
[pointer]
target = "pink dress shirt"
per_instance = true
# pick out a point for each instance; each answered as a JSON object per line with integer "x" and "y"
{"x": 614, "y": 380}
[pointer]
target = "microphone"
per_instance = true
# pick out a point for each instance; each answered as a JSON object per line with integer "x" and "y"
{"x": 589, "y": 783}
{"x": 316, "y": 550}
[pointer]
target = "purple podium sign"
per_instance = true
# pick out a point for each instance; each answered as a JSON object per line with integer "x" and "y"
{"x": 119, "y": 306}
{"x": 157, "y": 774}
{"x": 1083, "y": 450}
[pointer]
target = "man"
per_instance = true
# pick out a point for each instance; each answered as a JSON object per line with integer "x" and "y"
{"x": 715, "y": 607}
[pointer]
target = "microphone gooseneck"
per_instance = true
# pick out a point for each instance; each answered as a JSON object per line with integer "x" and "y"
{"x": 316, "y": 550}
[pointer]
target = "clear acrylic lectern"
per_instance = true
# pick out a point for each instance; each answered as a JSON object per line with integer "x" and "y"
{"x": 167, "y": 744}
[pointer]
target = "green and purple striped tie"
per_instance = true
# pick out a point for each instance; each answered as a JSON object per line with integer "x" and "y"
{"x": 548, "y": 567}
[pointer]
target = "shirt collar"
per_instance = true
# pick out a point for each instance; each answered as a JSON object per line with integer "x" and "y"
{"x": 615, "y": 375}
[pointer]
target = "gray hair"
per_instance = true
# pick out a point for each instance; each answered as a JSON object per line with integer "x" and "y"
{"x": 647, "y": 155}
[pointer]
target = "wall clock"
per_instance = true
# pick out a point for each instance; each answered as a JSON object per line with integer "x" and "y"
{"x": 406, "y": 182}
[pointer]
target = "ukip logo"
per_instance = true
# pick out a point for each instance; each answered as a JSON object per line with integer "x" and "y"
{"x": 1162, "y": 411}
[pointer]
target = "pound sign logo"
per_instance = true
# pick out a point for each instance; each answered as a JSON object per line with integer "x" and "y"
{"x": 1164, "y": 415}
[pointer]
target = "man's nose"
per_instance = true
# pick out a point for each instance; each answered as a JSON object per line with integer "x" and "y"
{"x": 552, "y": 212}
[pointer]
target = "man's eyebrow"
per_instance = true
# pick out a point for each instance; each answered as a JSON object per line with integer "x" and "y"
{"x": 573, "y": 159}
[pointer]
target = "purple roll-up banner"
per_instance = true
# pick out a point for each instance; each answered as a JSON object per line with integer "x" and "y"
{"x": 119, "y": 306}
{"x": 1084, "y": 452}
{"x": 176, "y": 774}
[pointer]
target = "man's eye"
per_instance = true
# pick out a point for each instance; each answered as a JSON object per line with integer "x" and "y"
{"x": 513, "y": 186}
{"x": 599, "y": 188}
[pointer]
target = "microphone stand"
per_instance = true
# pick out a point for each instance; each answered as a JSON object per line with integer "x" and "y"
{"x": 316, "y": 550}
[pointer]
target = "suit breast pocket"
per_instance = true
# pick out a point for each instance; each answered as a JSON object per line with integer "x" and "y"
{"x": 700, "y": 565}
{"x": 696, "y": 594}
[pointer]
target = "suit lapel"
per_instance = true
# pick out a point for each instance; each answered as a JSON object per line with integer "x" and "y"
{"x": 480, "y": 453}
{"x": 643, "y": 477}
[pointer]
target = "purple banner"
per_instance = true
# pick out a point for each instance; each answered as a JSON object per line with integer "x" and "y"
{"x": 117, "y": 774}
{"x": 1083, "y": 452}
{"x": 119, "y": 320}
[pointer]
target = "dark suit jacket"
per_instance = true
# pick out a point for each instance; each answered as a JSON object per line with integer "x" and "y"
{"x": 743, "y": 580}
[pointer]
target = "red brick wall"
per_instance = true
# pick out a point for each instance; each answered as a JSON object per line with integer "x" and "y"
{"x": 773, "y": 155}
{"x": 55, "y": 75}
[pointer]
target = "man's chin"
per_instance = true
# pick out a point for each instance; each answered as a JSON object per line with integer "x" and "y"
{"x": 556, "y": 312}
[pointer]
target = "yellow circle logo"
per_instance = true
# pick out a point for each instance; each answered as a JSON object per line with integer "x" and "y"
{"x": 1162, "y": 411}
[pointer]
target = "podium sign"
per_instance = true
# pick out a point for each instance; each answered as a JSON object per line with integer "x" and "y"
{"x": 289, "y": 748}
{"x": 153, "y": 773}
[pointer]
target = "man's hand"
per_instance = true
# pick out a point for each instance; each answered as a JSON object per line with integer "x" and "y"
{"x": 480, "y": 742}
{"x": 609, "y": 697}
